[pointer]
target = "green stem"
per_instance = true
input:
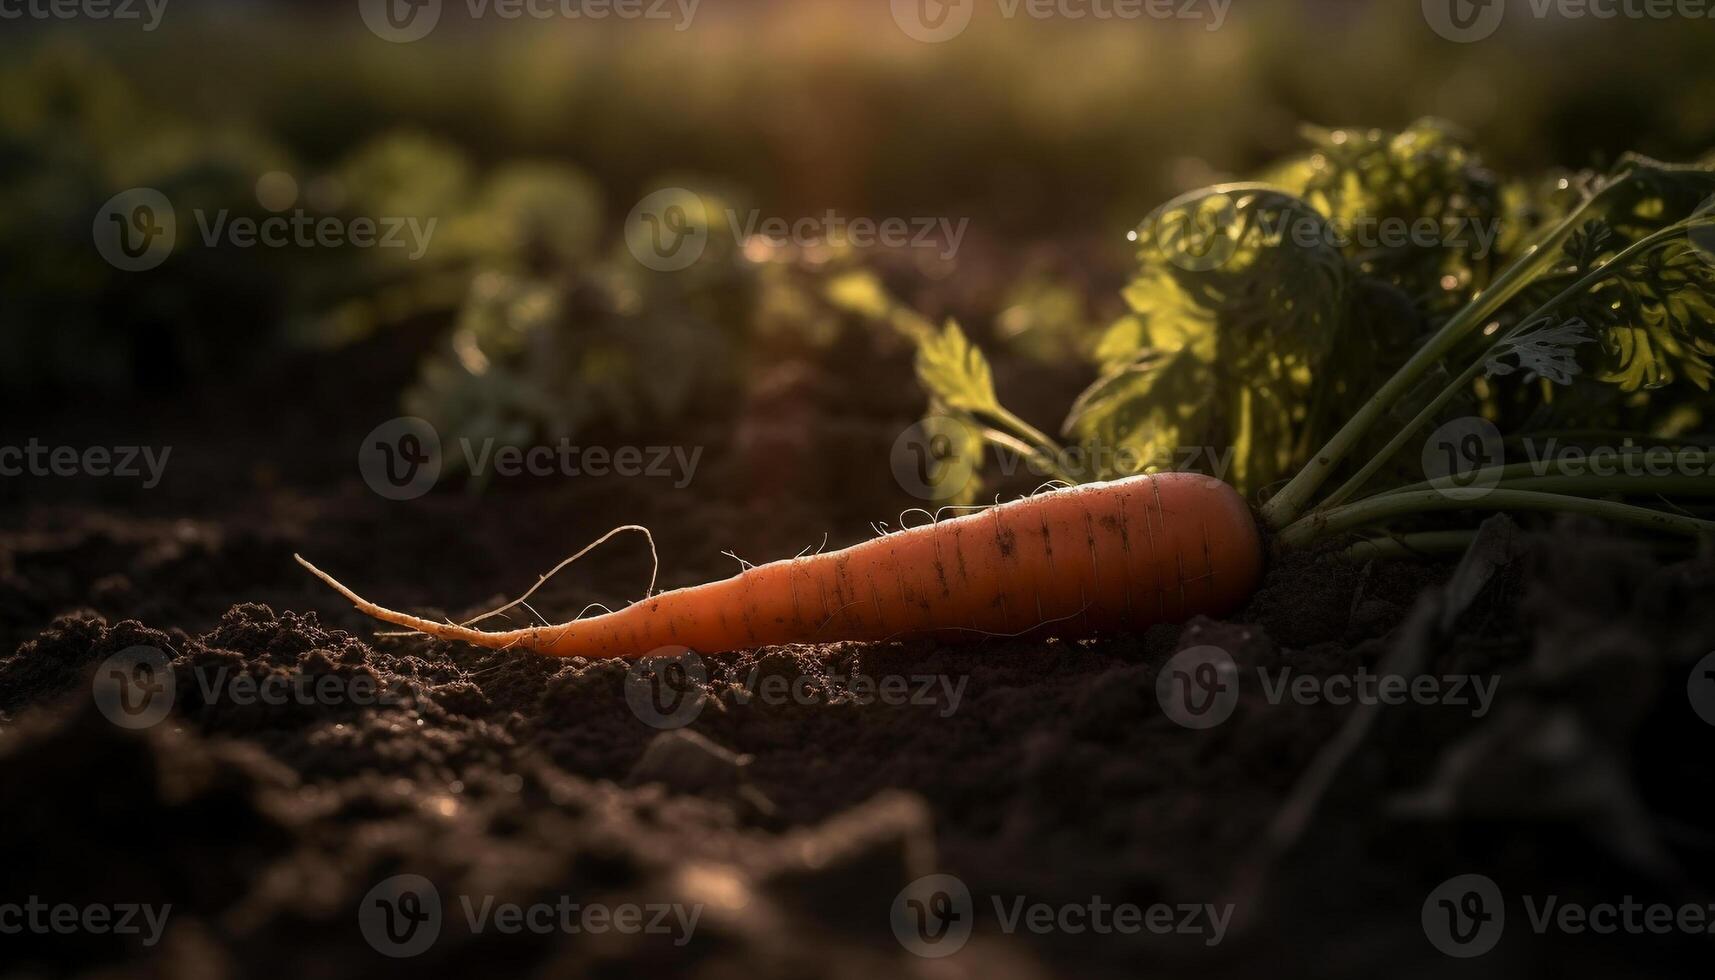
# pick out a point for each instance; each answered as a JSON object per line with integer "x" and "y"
{"x": 1030, "y": 433}
{"x": 1389, "y": 506}
{"x": 1013, "y": 444}
{"x": 1678, "y": 484}
{"x": 1584, "y": 284}
{"x": 1611, "y": 436}
{"x": 1291, "y": 501}
{"x": 1683, "y": 461}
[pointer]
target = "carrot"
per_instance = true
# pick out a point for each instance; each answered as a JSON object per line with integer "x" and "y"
{"x": 1072, "y": 563}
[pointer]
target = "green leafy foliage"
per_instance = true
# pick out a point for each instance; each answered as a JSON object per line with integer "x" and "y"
{"x": 1241, "y": 294}
{"x": 1264, "y": 315}
{"x": 1417, "y": 209}
{"x": 1658, "y": 322}
{"x": 554, "y": 340}
{"x": 956, "y": 373}
{"x": 543, "y": 360}
{"x": 1543, "y": 349}
{"x": 1654, "y": 317}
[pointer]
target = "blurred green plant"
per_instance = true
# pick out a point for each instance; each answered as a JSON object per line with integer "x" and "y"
{"x": 73, "y": 132}
{"x": 549, "y": 347}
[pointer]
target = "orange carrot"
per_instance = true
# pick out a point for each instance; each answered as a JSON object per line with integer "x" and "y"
{"x": 1070, "y": 563}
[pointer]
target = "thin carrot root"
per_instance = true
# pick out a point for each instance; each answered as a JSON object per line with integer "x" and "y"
{"x": 1072, "y": 563}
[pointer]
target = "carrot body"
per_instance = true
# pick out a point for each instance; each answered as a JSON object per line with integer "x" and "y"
{"x": 1071, "y": 563}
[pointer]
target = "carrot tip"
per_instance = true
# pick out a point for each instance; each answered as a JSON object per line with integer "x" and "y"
{"x": 331, "y": 581}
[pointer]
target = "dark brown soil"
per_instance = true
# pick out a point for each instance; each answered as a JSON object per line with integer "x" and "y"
{"x": 1056, "y": 777}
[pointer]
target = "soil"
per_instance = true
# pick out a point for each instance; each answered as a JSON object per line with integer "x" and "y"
{"x": 1055, "y": 777}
